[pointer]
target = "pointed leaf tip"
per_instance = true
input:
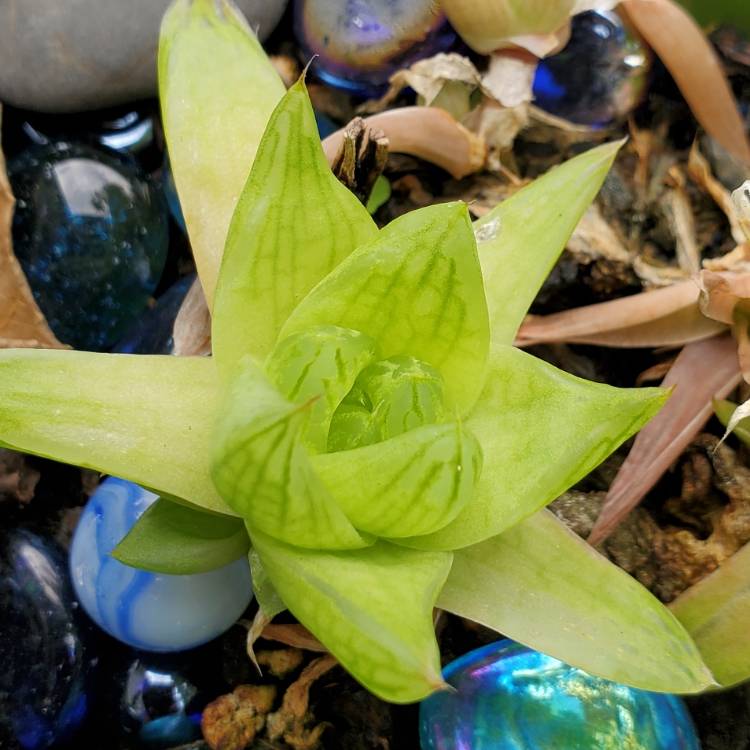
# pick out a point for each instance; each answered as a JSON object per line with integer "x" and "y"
{"x": 534, "y": 225}
{"x": 213, "y": 76}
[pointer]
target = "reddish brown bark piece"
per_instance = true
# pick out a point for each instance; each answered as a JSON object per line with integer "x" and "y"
{"x": 688, "y": 55}
{"x": 704, "y": 370}
{"x": 21, "y": 320}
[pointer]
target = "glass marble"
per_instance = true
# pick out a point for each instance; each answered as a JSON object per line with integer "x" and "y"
{"x": 600, "y": 75}
{"x": 360, "y": 43}
{"x": 91, "y": 233}
{"x": 45, "y": 652}
{"x": 509, "y": 697}
{"x": 152, "y": 332}
{"x": 150, "y": 611}
{"x": 160, "y": 700}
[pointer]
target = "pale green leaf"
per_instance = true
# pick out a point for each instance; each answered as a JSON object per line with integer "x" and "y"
{"x": 322, "y": 364}
{"x": 178, "y": 540}
{"x": 294, "y": 223}
{"x": 412, "y": 484}
{"x": 372, "y": 608}
{"x": 716, "y": 613}
{"x": 389, "y": 398}
{"x": 262, "y": 470}
{"x": 541, "y": 430}
{"x": 217, "y": 89}
{"x": 520, "y": 240}
{"x": 268, "y": 599}
{"x": 541, "y": 585}
{"x": 143, "y": 418}
{"x": 417, "y": 290}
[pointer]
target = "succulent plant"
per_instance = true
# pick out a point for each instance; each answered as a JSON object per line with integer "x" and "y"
{"x": 364, "y": 428}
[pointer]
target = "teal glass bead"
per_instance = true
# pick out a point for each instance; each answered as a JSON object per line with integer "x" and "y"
{"x": 509, "y": 697}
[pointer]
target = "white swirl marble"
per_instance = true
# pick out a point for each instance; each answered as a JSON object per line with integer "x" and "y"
{"x": 150, "y": 611}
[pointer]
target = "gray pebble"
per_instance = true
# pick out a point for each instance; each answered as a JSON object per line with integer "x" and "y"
{"x": 75, "y": 55}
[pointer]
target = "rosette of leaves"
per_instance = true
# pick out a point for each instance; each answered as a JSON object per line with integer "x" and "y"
{"x": 364, "y": 429}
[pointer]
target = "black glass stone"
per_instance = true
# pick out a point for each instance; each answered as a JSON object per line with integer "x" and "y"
{"x": 46, "y": 661}
{"x": 91, "y": 233}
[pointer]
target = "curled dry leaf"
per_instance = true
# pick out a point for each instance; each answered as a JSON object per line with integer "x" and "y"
{"x": 297, "y": 636}
{"x": 703, "y": 371}
{"x": 741, "y": 200}
{"x": 426, "y": 132}
{"x": 192, "y": 327}
{"x": 290, "y": 722}
{"x": 21, "y": 321}
{"x": 510, "y": 77}
{"x": 700, "y": 170}
{"x": 661, "y": 317}
{"x": 679, "y": 213}
{"x": 695, "y": 67}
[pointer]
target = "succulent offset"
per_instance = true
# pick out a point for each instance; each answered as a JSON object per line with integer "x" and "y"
{"x": 364, "y": 427}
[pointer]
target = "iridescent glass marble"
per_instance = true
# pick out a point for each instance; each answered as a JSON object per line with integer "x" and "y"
{"x": 46, "y": 660}
{"x": 90, "y": 231}
{"x": 360, "y": 43}
{"x": 150, "y": 611}
{"x": 509, "y": 697}
{"x": 600, "y": 75}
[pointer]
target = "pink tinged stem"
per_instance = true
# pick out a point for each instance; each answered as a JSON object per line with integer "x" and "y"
{"x": 427, "y": 132}
{"x": 704, "y": 370}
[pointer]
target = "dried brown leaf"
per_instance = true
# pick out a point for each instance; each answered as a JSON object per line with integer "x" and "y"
{"x": 281, "y": 662}
{"x": 741, "y": 201}
{"x": 297, "y": 636}
{"x": 426, "y": 132}
{"x": 594, "y": 238}
{"x": 661, "y": 317}
{"x": 695, "y": 67}
{"x": 700, "y": 170}
{"x": 704, "y": 370}
{"x": 679, "y": 213}
{"x": 21, "y": 320}
{"x": 362, "y": 158}
{"x": 510, "y": 77}
{"x": 192, "y": 327}
{"x": 291, "y": 721}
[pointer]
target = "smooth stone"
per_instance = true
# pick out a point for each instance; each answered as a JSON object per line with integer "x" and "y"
{"x": 91, "y": 233}
{"x": 75, "y": 55}
{"x": 152, "y": 332}
{"x": 46, "y": 662}
{"x": 509, "y": 697}
{"x": 360, "y": 43}
{"x": 598, "y": 77}
{"x": 149, "y": 611}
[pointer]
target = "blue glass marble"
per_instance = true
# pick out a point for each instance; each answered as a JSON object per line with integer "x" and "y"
{"x": 46, "y": 660}
{"x": 360, "y": 43}
{"x": 600, "y": 75}
{"x": 150, "y": 611}
{"x": 152, "y": 332}
{"x": 509, "y": 697}
{"x": 91, "y": 233}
